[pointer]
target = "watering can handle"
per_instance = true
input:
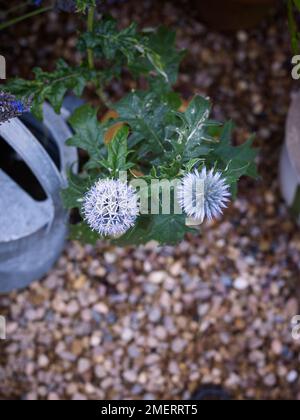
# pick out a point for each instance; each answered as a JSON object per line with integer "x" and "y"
{"x": 17, "y": 135}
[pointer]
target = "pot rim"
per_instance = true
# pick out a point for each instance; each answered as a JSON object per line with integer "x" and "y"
{"x": 292, "y": 138}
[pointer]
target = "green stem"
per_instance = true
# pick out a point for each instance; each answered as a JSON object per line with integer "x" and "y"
{"x": 90, "y": 28}
{"x": 103, "y": 97}
{"x": 293, "y": 28}
{"x": 104, "y": 102}
{"x": 90, "y": 55}
{"x": 24, "y": 17}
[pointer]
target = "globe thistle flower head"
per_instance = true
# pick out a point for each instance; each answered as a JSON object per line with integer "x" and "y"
{"x": 11, "y": 107}
{"x": 203, "y": 194}
{"x": 110, "y": 207}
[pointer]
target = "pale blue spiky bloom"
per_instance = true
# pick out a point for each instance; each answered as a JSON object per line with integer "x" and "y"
{"x": 203, "y": 194}
{"x": 111, "y": 207}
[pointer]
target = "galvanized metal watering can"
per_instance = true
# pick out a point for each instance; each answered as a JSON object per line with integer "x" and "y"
{"x": 32, "y": 232}
{"x": 290, "y": 159}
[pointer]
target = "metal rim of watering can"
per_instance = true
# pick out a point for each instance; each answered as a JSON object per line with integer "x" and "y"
{"x": 290, "y": 159}
{"x": 292, "y": 140}
{"x": 27, "y": 257}
{"x": 18, "y": 136}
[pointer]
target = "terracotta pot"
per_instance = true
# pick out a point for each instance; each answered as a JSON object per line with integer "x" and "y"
{"x": 231, "y": 15}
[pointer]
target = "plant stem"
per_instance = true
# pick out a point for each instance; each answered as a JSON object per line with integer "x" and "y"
{"x": 103, "y": 97}
{"x": 24, "y": 17}
{"x": 90, "y": 28}
{"x": 90, "y": 55}
{"x": 104, "y": 102}
{"x": 293, "y": 28}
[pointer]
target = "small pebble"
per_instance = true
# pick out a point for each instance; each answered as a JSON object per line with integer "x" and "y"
{"x": 178, "y": 345}
{"x": 270, "y": 380}
{"x": 155, "y": 314}
{"x": 83, "y": 366}
{"x": 43, "y": 361}
{"x": 241, "y": 283}
{"x": 127, "y": 335}
{"x": 157, "y": 277}
{"x": 292, "y": 376}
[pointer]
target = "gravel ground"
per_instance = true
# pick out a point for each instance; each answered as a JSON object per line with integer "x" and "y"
{"x": 158, "y": 323}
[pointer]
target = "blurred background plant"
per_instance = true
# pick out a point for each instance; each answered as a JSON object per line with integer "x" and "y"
{"x": 293, "y": 11}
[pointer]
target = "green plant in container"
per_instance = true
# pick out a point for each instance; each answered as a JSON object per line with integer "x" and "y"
{"x": 155, "y": 166}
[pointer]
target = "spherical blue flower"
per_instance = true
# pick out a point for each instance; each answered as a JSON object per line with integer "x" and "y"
{"x": 110, "y": 207}
{"x": 203, "y": 194}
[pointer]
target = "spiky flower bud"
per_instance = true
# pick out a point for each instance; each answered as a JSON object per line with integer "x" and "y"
{"x": 110, "y": 207}
{"x": 203, "y": 194}
{"x": 11, "y": 107}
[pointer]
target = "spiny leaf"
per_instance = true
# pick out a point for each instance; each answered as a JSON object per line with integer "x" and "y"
{"x": 143, "y": 53}
{"x": 165, "y": 229}
{"x": 196, "y": 116}
{"x": 145, "y": 115}
{"x": 234, "y": 161}
{"x": 51, "y": 86}
{"x": 117, "y": 153}
{"x": 78, "y": 185}
{"x": 89, "y": 134}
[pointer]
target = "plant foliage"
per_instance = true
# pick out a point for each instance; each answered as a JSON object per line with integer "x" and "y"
{"x": 154, "y": 138}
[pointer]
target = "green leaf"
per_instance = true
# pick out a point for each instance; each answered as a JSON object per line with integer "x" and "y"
{"x": 146, "y": 53}
{"x": 165, "y": 229}
{"x": 169, "y": 229}
{"x": 146, "y": 117}
{"x": 297, "y": 4}
{"x": 51, "y": 86}
{"x": 117, "y": 153}
{"x": 192, "y": 163}
{"x": 235, "y": 161}
{"x": 108, "y": 42}
{"x": 117, "y": 149}
{"x": 78, "y": 185}
{"x": 165, "y": 56}
{"x": 81, "y": 232}
{"x": 89, "y": 134}
{"x": 136, "y": 235}
{"x": 196, "y": 117}
{"x": 188, "y": 133}
{"x": 83, "y": 5}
